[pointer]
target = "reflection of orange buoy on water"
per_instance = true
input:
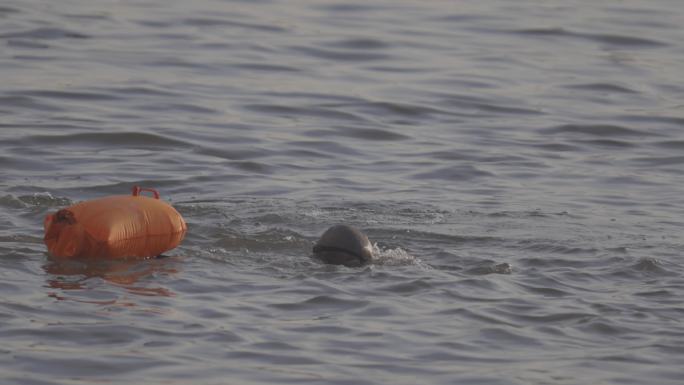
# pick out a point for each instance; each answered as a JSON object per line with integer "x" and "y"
{"x": 74, "y": 274}
{"x": 115, "y": 227}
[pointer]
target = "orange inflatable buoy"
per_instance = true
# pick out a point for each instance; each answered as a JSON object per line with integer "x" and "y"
{"x": 117, "y": 226}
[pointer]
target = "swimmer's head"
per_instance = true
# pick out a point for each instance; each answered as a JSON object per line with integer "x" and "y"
{"x": 343, "y": 245}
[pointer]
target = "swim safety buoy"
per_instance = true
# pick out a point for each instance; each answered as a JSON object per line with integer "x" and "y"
{"x": 117, "y": 226}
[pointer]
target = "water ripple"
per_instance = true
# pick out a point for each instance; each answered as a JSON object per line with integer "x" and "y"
{"x": 45, "y": 33}
{"x": 27, "y": 102}
{"x": 617, "y": 40}
{"x": 597, "y": 130}
{"x": 341, "y": 55}
{"x": 105, "y": 139}
{"x": 370, "y": 134}
{"x": 601, "y": 87}
{"x": 659, "y": 160}
{"x": 221, "y": 22}
{"x": 671, "y": 144}
{"x": 453, "y": 173}
{"x": 294, "y": 112}
{"x": 73, "y": 95}
{"x": 360, "y": 43}
{"x": 322, "y": 302}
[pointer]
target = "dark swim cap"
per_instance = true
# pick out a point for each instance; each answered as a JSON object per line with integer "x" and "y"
{"x": 343, "y": 245}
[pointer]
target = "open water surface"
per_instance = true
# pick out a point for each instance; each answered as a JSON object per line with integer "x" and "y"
{"x": 519, "y": 166}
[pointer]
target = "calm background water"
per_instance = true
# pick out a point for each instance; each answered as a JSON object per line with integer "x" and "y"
{"x": 519, "y": 165}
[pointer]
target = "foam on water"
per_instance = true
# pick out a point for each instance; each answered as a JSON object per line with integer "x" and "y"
{"x": 395, "y": 257}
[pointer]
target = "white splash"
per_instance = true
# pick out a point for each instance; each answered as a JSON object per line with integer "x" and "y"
{"x": 396, "y": 257}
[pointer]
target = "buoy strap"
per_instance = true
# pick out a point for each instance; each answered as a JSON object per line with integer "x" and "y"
{"x": 137, "y": 190}
{"x": 65, "y": 215}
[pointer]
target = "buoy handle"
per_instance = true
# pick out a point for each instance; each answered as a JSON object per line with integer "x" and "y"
{"x": 137, "y": 190}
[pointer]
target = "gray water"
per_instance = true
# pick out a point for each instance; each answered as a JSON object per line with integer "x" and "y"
{"x": 519, "y": 166}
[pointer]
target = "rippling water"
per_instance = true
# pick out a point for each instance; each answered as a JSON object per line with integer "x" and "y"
{"x": 518, "y": 165}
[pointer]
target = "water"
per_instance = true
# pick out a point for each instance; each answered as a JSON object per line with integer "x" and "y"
{"x": 518, "y": 166}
